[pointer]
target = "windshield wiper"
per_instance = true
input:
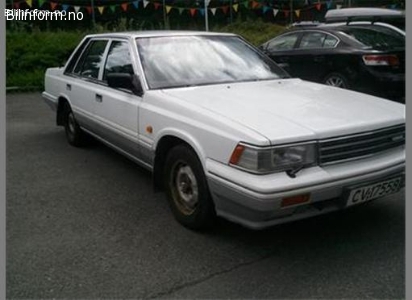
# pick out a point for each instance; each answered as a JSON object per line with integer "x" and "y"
{"x": 292, "y": 172}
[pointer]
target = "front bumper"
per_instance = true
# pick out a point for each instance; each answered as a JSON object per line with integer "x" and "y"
{"x": 255, "y": 200}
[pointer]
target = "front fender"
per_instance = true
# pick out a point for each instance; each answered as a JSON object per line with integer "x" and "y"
{"x": 184, "y": 136}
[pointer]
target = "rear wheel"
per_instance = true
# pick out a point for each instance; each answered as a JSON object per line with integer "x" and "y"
{"x": 75, "y": 136}
{"x": 336, "y": 80}
{"x": 187, "y": 189}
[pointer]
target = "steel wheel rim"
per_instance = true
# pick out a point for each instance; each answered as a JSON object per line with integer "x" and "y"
{"x": 185, "y": 190}
{"x": 335, "y": 81}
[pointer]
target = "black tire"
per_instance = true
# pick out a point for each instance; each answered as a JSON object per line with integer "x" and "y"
{"x": 337, "y": 80}
{"x": 75, "y": 136}
{"x": 187, "y": 189}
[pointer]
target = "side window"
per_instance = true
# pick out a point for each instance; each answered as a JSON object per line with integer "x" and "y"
{"x": 75, "y": 57}
{"x": 89, "y": 64}
{"x": 312, "y": 40}
{"x": 285, "y": 42}
{"x": 118, "y": 59}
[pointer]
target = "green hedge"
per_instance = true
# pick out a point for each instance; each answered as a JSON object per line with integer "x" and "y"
{"x": 28, "y": 55}
{"x": 256, "y": 32}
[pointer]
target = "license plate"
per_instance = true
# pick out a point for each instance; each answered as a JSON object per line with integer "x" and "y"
{"x": 373, "y": 191}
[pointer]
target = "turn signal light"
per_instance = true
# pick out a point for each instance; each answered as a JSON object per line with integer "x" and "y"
{"x": 237, "y": 153}
{"x": 295, "y": 200}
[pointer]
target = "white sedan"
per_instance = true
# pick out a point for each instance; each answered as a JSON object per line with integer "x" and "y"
{"x": 225, "y": 131}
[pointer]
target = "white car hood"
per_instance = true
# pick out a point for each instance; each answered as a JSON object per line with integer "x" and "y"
{"x": 294, "y": 110}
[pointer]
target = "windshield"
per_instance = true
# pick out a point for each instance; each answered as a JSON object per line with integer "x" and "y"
{"x": 178, "y": 61}
{"x": 377, "y": 37}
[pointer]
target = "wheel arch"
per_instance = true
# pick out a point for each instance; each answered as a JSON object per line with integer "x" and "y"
{"x": 347, "y": 67}
{"x": 340, "y": 74}
{"x": 61, "y": 101}
{"x": 163, "y": 145}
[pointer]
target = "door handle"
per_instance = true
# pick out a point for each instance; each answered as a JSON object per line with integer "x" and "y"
{"x": 68, "y": 87}
{"x": 99, "y": 98}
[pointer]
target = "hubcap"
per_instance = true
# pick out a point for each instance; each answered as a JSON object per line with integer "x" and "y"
{"x": 185, "y": 189}
{"x": 71, "y": 122}
{"x": 335, "y": 81}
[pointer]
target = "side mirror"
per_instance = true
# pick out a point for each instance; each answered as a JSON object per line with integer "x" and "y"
{"x": 125, "y": 81}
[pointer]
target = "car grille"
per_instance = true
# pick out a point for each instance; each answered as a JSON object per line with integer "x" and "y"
{"x": 360, "y": 145}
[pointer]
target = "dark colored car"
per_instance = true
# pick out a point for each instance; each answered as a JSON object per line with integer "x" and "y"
{"x": 367, "y": 58}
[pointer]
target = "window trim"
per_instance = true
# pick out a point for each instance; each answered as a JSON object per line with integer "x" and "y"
{"x": 83, "y": 45}
{"x": 301, "y": 33}
{"x": 118, "y": 39}
{"x": 111, "y": 40}
{"x": 132, "y": 51}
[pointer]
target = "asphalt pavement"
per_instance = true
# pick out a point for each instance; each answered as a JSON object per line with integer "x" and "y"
{"x": 85, "y": 223}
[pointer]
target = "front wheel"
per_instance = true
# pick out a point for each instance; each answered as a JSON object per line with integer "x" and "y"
{"x": 336, "y": 80}
{"x": 187, "y": 189}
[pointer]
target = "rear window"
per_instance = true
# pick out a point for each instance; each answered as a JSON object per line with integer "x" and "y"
{"x": 376, "y": 37}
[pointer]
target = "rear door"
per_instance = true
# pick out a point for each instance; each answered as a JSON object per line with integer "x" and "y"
{"x": 85, "y": 82}
{"x": 315, "y": 55}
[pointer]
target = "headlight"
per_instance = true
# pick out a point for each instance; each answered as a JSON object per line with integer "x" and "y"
{"x": 274, "y": 159}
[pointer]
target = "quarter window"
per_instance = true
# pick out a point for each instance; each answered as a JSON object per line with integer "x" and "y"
{"x": 118, "y": 59}
{"x": 330, "y": 41}
{"x": 72, "y": 62}
{"x": 89, "y": 64}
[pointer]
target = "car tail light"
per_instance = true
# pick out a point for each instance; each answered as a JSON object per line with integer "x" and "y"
{"x": 381, "y": 60}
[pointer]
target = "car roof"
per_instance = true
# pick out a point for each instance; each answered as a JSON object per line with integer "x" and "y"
{"x": 314, "y": 27}
{"x": 337, "y": 28}
{"x": 159, "y": 33}
{"x": 333, "y": 27}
